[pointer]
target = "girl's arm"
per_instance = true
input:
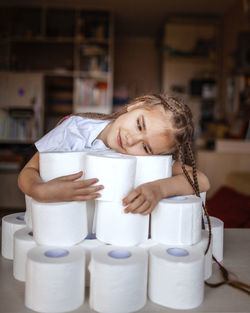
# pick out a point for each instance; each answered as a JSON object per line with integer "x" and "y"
{"x": 64, "y": 188}
{"x": 145, "y": 197}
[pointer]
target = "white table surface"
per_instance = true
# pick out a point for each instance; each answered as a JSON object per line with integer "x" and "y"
{"x": 222, "y": 299}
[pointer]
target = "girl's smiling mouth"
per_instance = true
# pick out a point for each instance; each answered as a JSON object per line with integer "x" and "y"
{"x": 119, "y": 140}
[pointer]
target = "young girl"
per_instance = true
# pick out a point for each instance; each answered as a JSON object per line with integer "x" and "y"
{"x": 152, "y": 124}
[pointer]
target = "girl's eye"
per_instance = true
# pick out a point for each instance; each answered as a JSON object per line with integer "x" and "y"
{"x": 145, "y": 147}
{"x": 139, "y": 125}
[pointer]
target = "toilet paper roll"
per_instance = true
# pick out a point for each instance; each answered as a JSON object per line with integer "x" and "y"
{"x": 176, "y": 276}
{"x": 118, "y": 279}
{"x": 177, "y": 220}
{"x": 59, "y": 223}
{"x": 55, "y": 279}
{"x": 148, "y": 244}
{"x": 10, "y": 224}
{"x": 90, "y": 205}
{"x": 115, "y": 227}
{"x": 28, "y": 212}
{"x": 203, "y": 197}
{"x": 150, "y": 168}
{"x": 56, "y": 164}
{"x": 217, "y": 227}
{"x": 23, "y": 242}
{"x": 115, "y": 171}
{"x": 208, "y": 257}
{"x": 88, "y": 244}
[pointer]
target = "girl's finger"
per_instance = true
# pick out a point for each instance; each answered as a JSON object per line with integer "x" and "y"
{"x": 87, "y": 197}
{"x": 148, "y": 211}
{"x": 71, "y": 176}
{"x": 144, "y": 207}
{"x": 88, "y": 191}
{"x": 133, "y": 195}
{"x": 135, "y": 204}
{"x": 85, "y": 183}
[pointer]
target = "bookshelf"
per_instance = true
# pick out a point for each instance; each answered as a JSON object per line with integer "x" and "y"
{"x": 71, "y": 48}
{"x": 54, "y": 60}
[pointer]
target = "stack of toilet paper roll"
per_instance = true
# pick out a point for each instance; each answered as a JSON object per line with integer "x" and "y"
{"x": 56, "y": 253}
{"x": 120, "y": 174}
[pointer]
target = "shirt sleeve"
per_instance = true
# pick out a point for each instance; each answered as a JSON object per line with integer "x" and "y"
{"x": 64, "y": 137}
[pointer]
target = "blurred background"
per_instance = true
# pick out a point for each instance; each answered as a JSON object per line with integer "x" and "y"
{"x": 62, "y": 57}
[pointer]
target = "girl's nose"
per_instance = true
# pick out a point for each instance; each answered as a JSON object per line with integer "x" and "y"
{"x": 133, "y": 139}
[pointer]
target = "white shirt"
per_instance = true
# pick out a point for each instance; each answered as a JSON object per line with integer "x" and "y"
{"x": 74, "y": 134}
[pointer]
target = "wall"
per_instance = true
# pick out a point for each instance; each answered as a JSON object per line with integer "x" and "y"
{"x": 137, "y": 65}
{"x": 235, "y": 21}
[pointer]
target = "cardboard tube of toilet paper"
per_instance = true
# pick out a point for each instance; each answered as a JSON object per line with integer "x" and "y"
{"x": 28, "y": 212}
{"x": 115, "y": 171}
{"x": 217, "y": 227}
{"x": 57, "y": 164}
{"x": 115, "y": 227}
{"x": 59, "y": 223}
{"x": 88, "y": 244}
{"x": 154, "y": 167}
{"x": 177, "y": 220}
{"x": 55, "y": 279}
{"x": 118, "y": 279}
{"x": 10, "y": 224}
{"x": 176, "y": 276}
{"x": 23, "y": 242}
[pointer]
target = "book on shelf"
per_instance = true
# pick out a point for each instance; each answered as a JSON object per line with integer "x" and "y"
{"x": 91, "y": 94}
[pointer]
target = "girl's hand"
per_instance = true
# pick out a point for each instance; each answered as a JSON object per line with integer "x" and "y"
{"x": 67, "y": 188}
{"x": 144, "y": 198}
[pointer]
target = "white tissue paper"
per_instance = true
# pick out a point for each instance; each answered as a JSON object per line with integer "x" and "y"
{"x": 150, "y": 168}
{"x": 208, "y": 257}
{"x": 148, "y": 244}
{"x": 55, "y": 279}
{"x": 59, "y": 223}
{"x": 88, "y": 244}
{"x": 118, "y": 279}
{"x": 115, "y": 227}
{"x": 57, "y": 164}
{"x": 23, "y": 242}
{"x": 177, "y": 220}
{"x": 10, "y": 224}
{"x": 176, "y": 276}
{"x": 217, "y": 228}
{"x": 203, "y": 197}
{"x": 28, "y": 212}
{"x": 115, "y": 171}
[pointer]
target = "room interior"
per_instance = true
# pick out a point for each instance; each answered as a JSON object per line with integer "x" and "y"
{"x": 52, "y": 53}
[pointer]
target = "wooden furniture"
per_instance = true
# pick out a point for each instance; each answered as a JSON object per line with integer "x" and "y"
{"x": 191, "y": 65}
{"x": 54, "y": 60}
{"x": 222, "y": 299}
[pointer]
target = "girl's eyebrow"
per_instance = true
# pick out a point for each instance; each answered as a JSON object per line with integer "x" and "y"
{"x": 144, "y": 126}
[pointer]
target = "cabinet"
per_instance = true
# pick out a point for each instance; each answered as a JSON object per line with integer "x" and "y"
{"x": 69, "y": 48}
{"x": 191, "y": 65}
{"x": 21, "y": 107}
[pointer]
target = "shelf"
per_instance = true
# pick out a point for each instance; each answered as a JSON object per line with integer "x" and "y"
{"x": 63, "y": 45}
{"x": 189, "y": 59}
{"x": 106, "y": 41}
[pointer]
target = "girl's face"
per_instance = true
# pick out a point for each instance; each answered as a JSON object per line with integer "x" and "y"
{"x": 140, "y": 131}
